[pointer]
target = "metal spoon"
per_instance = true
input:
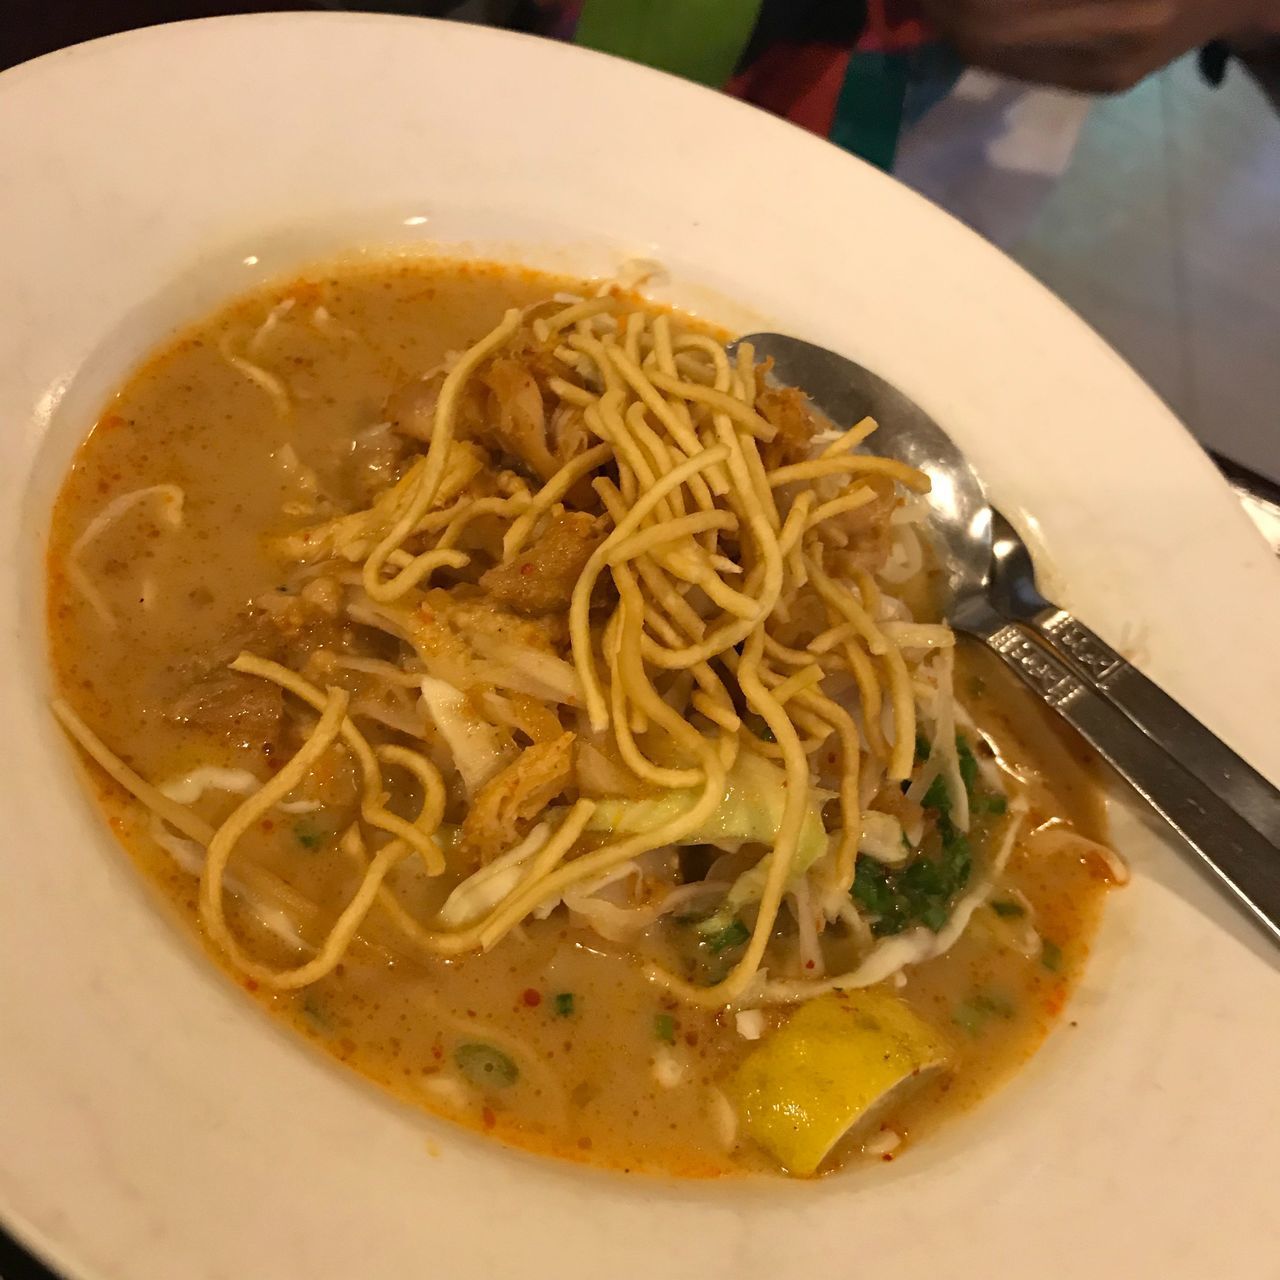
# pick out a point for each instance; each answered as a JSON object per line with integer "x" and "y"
{"x": 1224, "y": 810}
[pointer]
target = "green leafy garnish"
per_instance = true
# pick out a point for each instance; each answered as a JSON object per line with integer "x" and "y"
{"x": 485, "y": 1066}
{"x": 920, "y": 894}
{"x": 979, "y": 1009}
{"x": 664, "y": 1027}
{"x": 935, "y": 915}
{"x": 562, "y": 1003}
{"x": 1050, "y": 955}
{"x": 938, "y": 797}
{"x": 733, "y": 935}
{"x": 1008, "y": 910}
{"x": 307, "y": 835}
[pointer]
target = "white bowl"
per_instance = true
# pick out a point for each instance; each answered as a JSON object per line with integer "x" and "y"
{"x": 153, "y": 1124}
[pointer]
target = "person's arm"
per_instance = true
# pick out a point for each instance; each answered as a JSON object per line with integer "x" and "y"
{"x": 1100, "y": 46}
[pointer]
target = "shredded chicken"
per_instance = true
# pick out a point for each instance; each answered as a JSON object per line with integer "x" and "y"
{"x": 865, "y": 533}
{"x": 352, "y": 536}
{"x": 377, "y": 461}
{"x": 473, "y": 643}
{"x": 789, "y": 411}
{"x": 517, "y": 419}
{"x": 476, "y": 618}
{"x": 411, "y": 409}
{"x": 541, "y": 579}
{"x": 244, "y": 712}
{"x": 507, "y": 803}
{"x": 504, "y": 409}
{"x": 525, "y": 714}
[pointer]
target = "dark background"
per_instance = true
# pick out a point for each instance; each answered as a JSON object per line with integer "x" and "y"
{"x": 29, "y": 28}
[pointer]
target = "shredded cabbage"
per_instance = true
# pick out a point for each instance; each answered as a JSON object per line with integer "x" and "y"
{"x": 754, "y": 799}
{"x": 480, "y": 893}
{"x": 478, "y": 749}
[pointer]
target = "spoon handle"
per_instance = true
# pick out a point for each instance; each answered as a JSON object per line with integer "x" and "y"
{"x": 1170, "y": 725}
{"x": 1244, "y": 860}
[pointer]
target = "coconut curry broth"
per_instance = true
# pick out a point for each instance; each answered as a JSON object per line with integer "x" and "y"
{"x": 554, "y": 1040}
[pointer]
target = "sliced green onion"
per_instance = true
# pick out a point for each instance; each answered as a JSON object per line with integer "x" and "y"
{"x": 485, "y": 1066}
{"x": 974, "y": 1013}
{"x": 732, "y": 935}
{"x": 307, "y": 836}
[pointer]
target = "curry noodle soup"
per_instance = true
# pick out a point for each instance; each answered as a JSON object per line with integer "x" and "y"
{"x": 547, "y": 716}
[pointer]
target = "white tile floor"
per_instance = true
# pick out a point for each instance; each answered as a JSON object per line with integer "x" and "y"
{"x": 1165, "y": 235}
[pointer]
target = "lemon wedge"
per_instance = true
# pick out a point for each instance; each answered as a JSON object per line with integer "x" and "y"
{"x": 838, "y": 1061}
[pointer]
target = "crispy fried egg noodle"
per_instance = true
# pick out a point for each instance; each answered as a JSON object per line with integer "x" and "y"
{"x": 731, "y": 668}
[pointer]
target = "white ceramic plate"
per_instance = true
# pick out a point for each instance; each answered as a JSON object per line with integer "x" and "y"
{"x": 154, "y": 1125}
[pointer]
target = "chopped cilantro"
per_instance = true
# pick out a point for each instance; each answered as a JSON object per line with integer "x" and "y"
{"x": 980, "y": 802}
{"x": 1008, "y": 909}
{"x": 938, "y": 797}
{"x": 307, "y": 836}
{"x": 919, "y": 894}
{"x": 732, "y": 935}
{"x": 664, "y": 1027}
{"x": 935, "y": 915}
{"x": 1050, "y": 955}
{"x": 922, "y": 893}
{"x": 562, "y": 1003}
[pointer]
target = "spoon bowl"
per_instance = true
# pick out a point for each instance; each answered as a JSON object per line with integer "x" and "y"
{"x": 846, "y": 393}
{"x": 1225, "y": 812}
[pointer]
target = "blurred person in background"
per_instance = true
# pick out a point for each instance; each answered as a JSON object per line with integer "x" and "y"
{"x": 978, "y": 104}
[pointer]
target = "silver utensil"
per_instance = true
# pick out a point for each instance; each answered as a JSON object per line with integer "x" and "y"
{"x": 1223, "y": 809}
